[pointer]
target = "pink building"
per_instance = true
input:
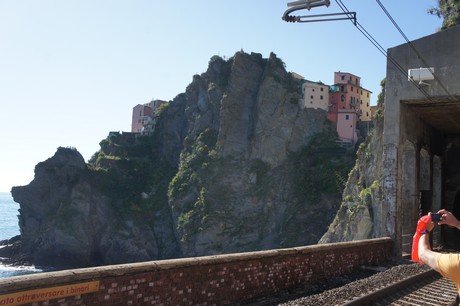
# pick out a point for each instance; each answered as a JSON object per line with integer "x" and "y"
{"x": 143, "y": 114}
{"x": 346, "y": 125}
{"x": 139, "y": 112}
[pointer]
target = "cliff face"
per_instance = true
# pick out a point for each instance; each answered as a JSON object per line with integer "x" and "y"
{"x": 245, "y": 176}
{"x": 360, "y": 210}
{"x": 234, "y": 164}
{"x": 66, "y": 220}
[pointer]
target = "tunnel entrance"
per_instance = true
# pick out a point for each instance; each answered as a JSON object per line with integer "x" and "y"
{"x": 452, "y": 190}
{"x": 431, "y": 129}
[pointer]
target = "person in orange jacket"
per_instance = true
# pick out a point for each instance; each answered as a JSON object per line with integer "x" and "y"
{"x": 448, "y": 264}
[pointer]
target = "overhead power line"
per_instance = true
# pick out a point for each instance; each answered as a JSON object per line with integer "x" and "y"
{"x": 383, "y": 50}
{"x": 309, "y": 4}
{"x": 415, "y": 50}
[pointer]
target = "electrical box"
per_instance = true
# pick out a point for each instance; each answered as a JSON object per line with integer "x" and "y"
{"x": 421, "y": 74}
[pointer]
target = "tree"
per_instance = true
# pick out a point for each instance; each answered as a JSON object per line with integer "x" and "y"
{"x": 449, "y": 10}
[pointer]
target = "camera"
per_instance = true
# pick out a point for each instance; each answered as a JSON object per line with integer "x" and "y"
{"x": 436, "y": 217}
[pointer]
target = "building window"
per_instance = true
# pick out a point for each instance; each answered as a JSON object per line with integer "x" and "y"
{"x": 343, "y": 77}
{"x": 351, "y": 88}
{"x": 347, "y": 117}
{"x": 342, "y": 88}
{"x": 312, "y": 89}
{"x": 311, "y": 97}
{"x": 342, "y": 98}
{"x": 321, "y": 97}
{"x": 322, "y": 89}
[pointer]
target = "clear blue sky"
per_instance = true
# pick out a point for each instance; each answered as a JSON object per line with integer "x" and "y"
{"x": 72, "y": 70}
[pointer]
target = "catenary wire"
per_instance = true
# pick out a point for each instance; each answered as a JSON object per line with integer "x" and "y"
{"x": 415, "y": 50}
{"x": 383, "y": 51}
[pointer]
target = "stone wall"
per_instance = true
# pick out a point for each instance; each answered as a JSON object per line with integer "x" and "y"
{"x": 211, "y": 280}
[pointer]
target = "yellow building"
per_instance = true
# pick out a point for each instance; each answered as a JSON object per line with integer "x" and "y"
{"x": 365, "y": 106}
{"x": 315, "y": 95}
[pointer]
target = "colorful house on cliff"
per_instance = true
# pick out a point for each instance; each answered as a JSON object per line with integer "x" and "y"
{"x": 315, "y": 95}
{"x": 348, "y": 104}
{"x": 143, "y": 115}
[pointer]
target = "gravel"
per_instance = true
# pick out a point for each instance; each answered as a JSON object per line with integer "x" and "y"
{"x": 338, "y": 290}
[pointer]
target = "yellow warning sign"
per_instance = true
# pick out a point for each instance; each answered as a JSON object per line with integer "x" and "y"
{"x": 44, "y": 294}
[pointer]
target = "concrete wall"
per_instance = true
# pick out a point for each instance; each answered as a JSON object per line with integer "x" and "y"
{"x": 401, "y": 126}
{"x": 212, "y": 280}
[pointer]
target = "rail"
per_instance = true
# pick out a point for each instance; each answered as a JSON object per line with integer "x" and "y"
{"x": 427, "y": 288}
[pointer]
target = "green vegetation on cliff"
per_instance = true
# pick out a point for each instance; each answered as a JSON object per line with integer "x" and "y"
{"x": 320, "y": 168}
{"x": 193, "y": 177}
{"x": 318, "y": 173}
{"x": 131, "y": 171}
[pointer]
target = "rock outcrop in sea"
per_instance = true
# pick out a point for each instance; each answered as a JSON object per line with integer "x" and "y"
{"x": 234, "y": 164}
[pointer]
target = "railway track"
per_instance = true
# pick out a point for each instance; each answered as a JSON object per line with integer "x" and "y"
{"x": 427, "y": 288}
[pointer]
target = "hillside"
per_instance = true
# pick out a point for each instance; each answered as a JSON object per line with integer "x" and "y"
{"x": 234, "y": 164}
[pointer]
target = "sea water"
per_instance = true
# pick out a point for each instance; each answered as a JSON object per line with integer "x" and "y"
{"x": 8, "y": 229}
{"x": 8, "y": 216}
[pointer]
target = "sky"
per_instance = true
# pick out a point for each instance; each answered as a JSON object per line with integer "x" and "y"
{"x": 71, "y": 71}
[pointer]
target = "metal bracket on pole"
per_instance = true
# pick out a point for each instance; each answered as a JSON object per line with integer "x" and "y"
{"x": 308, "y": 4}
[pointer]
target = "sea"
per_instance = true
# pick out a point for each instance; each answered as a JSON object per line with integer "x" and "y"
{"x": 8, "y": 229}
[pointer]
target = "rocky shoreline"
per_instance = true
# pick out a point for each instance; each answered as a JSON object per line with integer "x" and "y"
{"x": 10, "y": 252}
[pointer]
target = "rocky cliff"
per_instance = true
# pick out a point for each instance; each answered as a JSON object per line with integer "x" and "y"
{"x": 360, "y": 210}
{"x": 234, "y": 164}
{"x": 68, "y": 219}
